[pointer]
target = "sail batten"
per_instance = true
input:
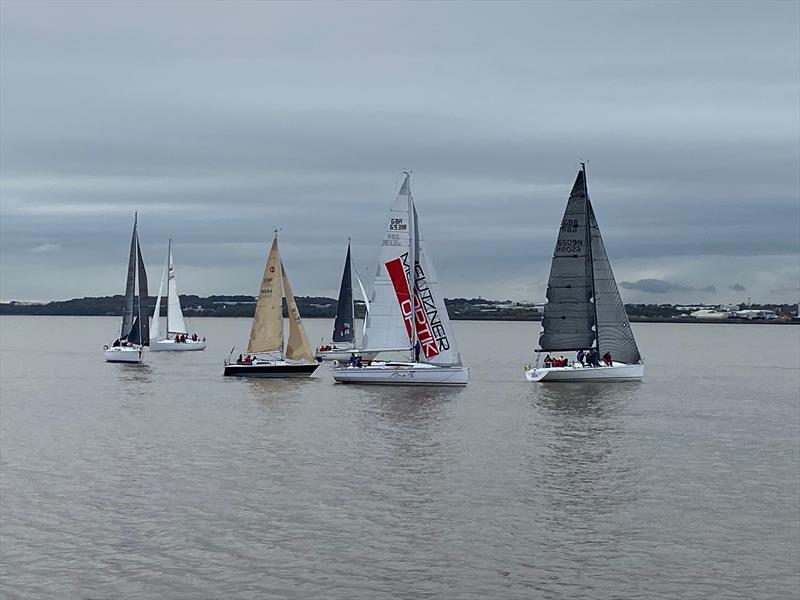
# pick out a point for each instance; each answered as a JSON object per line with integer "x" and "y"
{"x": 266, "y": 332}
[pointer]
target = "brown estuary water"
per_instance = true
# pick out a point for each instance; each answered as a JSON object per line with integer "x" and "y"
{"x": 169, "y": 481}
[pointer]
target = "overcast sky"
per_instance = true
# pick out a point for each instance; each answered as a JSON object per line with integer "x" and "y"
{"x": 221, "y": 121}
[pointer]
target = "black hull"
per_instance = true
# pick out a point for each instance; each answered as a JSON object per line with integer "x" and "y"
{"x": 269, "y": 370}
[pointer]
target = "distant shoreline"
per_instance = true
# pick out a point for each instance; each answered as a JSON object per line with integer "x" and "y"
{"x": 508, "y": 319}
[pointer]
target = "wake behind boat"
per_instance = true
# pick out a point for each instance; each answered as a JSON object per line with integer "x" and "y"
{"x": 584, "y": 311}
{"x": 266, "y": 355}
{"x": 174, "y": 324}
{"x": 134, "y": 334}
{"x": 400, "y": 320}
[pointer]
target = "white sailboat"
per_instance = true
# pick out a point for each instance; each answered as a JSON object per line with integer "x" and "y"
{"x": 134, "y": 334}
{"x": 584, "y": 311}
{"x": 268, "y": 354}
{"x": 343, "y": 342}
{"x": 400, "y": 320}
{"x": 175, "y": 325}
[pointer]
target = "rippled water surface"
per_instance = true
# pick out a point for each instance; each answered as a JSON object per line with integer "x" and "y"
{"x": 170, "y": 481}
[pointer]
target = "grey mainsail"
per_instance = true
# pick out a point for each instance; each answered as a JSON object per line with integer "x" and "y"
{"x": 344, "y": 326}
{"x": 584, "y": 308}
{"x": 569, "y": 313}
{"x": 130, "y": 283}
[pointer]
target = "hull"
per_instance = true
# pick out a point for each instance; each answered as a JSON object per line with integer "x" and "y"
{"x": 173, "y": 346}
{"x": 576, "y": 373}
{"x": 396, "y": 373}
{"x": 123, "y": 354}
{"x": 274, "y": 369}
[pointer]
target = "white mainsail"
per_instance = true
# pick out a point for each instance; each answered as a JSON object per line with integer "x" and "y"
{"x": 385, "y": 328}
{"x": 297, "y": 345}
{"x": 175, "y": 322}
{"x": 266, "y": 333}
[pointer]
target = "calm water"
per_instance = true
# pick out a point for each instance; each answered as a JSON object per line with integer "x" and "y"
{"x": 170, "y": 481}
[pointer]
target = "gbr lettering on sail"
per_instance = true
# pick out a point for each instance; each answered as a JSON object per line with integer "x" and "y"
{"x": 429, "y": 327}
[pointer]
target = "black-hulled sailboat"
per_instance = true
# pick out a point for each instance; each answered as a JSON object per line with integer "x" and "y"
{"x": 135, "y": 332}
{"x": 584, "y": 311}
{"x": 344, "y": 326}
{"x": 267, "y": 354}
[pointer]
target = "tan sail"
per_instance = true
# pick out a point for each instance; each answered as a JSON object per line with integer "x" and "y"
{"x": 266, "y": 334}
{"x": 297, "y": 348}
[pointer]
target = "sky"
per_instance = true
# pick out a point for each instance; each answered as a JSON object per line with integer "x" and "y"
{"x": 219, "y": 122}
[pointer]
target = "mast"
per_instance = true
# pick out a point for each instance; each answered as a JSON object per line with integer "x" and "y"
{"x": 591, "y": 258}
{"x": 280, "y": 295}
{"x": 413, "y": 251}
{"x": 139, "y": 294}
{"x": 169, "y": 268}
{"x": 352, "y": 296}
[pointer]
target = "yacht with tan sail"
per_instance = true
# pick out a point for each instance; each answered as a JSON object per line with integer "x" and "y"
{"x": 269, "y": 352}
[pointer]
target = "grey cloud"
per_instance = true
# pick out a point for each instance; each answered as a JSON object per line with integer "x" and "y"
{"x": 220, "y": 122}
{"x": 659, "y": 286}
{"x": 738, "y": 287}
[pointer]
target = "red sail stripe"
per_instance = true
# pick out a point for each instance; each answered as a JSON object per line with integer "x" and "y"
{"x": 425, "y": 335}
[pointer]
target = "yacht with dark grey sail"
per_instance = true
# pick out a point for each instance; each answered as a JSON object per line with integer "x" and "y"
{"x": 584, "y": 312}
{"x": 135, "y": 332}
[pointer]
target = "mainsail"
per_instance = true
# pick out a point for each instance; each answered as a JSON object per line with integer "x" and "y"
{"x": 344, "y": 325}
{"x": 385, "y": 327}
{"x": 175, "y": 322}
{"x": 569, "y": 313}
{"x": 143, "y": 317}
{"x": 266, "y": 333}
{"x": 297, "y": 346}
{"x": 130, "y": 284}
{"x": 584, "y": 308}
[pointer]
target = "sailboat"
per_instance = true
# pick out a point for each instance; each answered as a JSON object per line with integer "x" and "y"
{"x": 407, "y": 311}
{"x": 134, "y": 334}
{"x": 344, "y": 327}
{"x": 584, "y": 310}
{"x": 267, "y": 355}
{"x": 174, "y": 324}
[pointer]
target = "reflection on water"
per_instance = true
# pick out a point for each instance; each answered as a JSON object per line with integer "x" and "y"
{"x": 170, "y": 480}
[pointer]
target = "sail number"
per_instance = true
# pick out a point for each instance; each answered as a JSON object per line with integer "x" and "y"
{"x": 397, "y": 225}
{"x": 569, "y": 225}
{"x": 569, "y": 246}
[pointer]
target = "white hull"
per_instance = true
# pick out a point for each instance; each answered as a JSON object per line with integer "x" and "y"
{"x": 123, "y": 354}
{"x": 399, "y": 373}
{"x": 173, "y": 346}
{"x": 616, "y": 372}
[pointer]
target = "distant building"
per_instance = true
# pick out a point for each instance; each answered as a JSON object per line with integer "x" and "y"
{"x": 710, "y": 314}
{"x": 761, "y": 315}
